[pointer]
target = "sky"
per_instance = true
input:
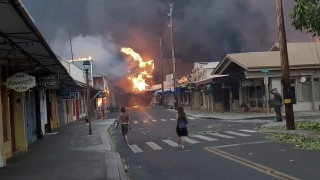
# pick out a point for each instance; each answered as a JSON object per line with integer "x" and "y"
{"x": 203, "y": 30}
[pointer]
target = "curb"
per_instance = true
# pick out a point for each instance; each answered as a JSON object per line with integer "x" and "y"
{"x": 115, "y": 167}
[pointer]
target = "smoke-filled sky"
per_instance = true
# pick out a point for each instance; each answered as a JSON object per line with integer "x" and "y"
{"x": 204, "y": 30}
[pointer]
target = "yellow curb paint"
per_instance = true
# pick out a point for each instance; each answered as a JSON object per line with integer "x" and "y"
{"x": 253, "y": 165}
{"x": 287, "y": 101}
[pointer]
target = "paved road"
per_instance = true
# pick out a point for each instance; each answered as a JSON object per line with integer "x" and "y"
{"x": 216, "y": 149}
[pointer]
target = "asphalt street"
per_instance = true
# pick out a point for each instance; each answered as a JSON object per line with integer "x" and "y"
{"x": 216, "y": 149}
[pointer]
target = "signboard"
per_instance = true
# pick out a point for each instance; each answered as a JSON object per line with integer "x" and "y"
{"x": 21, "y": 82}
{"x": 246, "y": 83}
{"x": 49, "y": 81}
{"x": 265, "y": 71}
{"x": 69, "y": 95}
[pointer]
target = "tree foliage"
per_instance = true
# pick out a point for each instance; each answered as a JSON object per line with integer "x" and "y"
{"x": 306, "y": 16}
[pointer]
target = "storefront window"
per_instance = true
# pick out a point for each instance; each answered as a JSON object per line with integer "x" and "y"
{"x": 256, "y": 96}
{"x": 306, "y": 90}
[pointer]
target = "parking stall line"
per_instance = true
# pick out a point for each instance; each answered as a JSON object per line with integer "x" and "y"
{"x": 153, "y": 145}
{"x": 191, "y": 141}
{"x": 221, "y": 135}
{"x": 135, "y": 148}
{"x": 248, "y": 130}
{"x": 205, "y": 138}
{"x": 238, "y": 134}
{"x": 171, "y": 143}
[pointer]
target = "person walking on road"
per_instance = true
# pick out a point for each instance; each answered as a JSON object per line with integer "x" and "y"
{"x": 277, "y": 104}
{"x": 181, "y": 128}
{"x": 124, "y": 121}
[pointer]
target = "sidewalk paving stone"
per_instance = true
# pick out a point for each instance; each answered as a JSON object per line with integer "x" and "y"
{"x": 68, "y": 154}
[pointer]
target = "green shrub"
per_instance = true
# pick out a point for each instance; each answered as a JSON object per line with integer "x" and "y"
{"x": 308, "y": 125}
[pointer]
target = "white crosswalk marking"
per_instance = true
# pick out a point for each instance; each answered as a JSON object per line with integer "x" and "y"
{"x": 221, "y": 135}
{"x": 238, "y": 134}
{"x": 135, "y": 148}
{"x": 248, "y": 130}
{"x": 145, "y": 121}
{"x": 204, "y": 138}
{"x": 171, "y": 143}
{"x": 172, "y": 119}
{"x": 163, "y": 120}
{"x": 190, "y": 117}
{"x": 153, "y": 120}
{"x": 153, "y": 145}
{"x": 135, "y": 122}
{"x": 191, "y": 141}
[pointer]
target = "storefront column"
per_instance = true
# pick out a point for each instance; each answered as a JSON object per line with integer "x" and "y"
{"x": 240, "y": 93}
{"x": 312, "y": 93}
{"x": 231, "y": 99}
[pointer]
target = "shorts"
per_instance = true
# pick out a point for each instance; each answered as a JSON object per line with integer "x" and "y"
{"x": 182, "y": 131}
{"x": 124, "y": 129}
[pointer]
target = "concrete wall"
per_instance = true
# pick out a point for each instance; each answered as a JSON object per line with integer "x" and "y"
{"x": 276, "y": 83}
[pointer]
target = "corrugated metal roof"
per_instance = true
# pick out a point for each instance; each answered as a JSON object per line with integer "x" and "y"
{"x": 300, "y": 55}
{"x": 24, "y": 46}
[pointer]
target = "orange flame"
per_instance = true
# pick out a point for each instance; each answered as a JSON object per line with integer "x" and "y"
{"x": 138, "y": 70}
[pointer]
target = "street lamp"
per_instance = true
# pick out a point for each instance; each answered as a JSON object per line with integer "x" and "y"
{"x": 86, "y": 65}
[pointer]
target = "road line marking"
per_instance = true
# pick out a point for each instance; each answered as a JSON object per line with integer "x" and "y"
{"x": 135, "y": 148}
{"x": 172, "y": 119}
{"x": 221, "y": 135}
{"x": 238, "y": 134}
{"x": 145, "y": 121}
{"x": 153, "y": 145}
{"x": 191, "y": 118}
{"x": 248, "y": 130}
{"x": 146, "y": 114}
{"x": 242, "y": 144}
{"x": 171, "y": 143}
{"x": 191, "y": 141}
{"x": 205, "y": 138}
{"x": 153, "y": 120}
{"x": 135, "y": 122}
{"x": 163, "y": 120}
{"x": 253, "y": 165}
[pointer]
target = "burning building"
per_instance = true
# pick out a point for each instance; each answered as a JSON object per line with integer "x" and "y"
{"x": 139, "y": 75}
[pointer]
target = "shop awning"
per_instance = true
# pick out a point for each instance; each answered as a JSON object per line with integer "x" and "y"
{"x": 22, "y": 46}
{"x": 206, "y": 81}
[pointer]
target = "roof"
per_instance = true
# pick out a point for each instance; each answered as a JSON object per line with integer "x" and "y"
{"x": 23, "y": 45}
{"x": 299, "y": 54}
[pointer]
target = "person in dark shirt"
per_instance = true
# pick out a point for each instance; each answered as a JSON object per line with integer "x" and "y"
{"x": 181, "y": 128}
{"x": 277, "y": 104}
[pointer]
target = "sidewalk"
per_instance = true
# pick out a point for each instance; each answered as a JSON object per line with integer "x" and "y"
{"x": 246, "y": 115}
{"x": 69, "y": 154}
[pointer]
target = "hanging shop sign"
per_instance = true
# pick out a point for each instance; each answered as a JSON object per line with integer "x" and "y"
{"x": 209, "y": 88}
{"x": 69, "y": 95}
{"x": 246, "y": 83}
{"x": 21, "y": 82}
{"x": 49, "y": 81}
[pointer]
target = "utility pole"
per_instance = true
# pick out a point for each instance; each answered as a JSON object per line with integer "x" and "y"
{"x": 88, "y": 103}
{"x": 162, "y": 85}
{"x": 173, "y": 57}
{"x": 285, "y": 67}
